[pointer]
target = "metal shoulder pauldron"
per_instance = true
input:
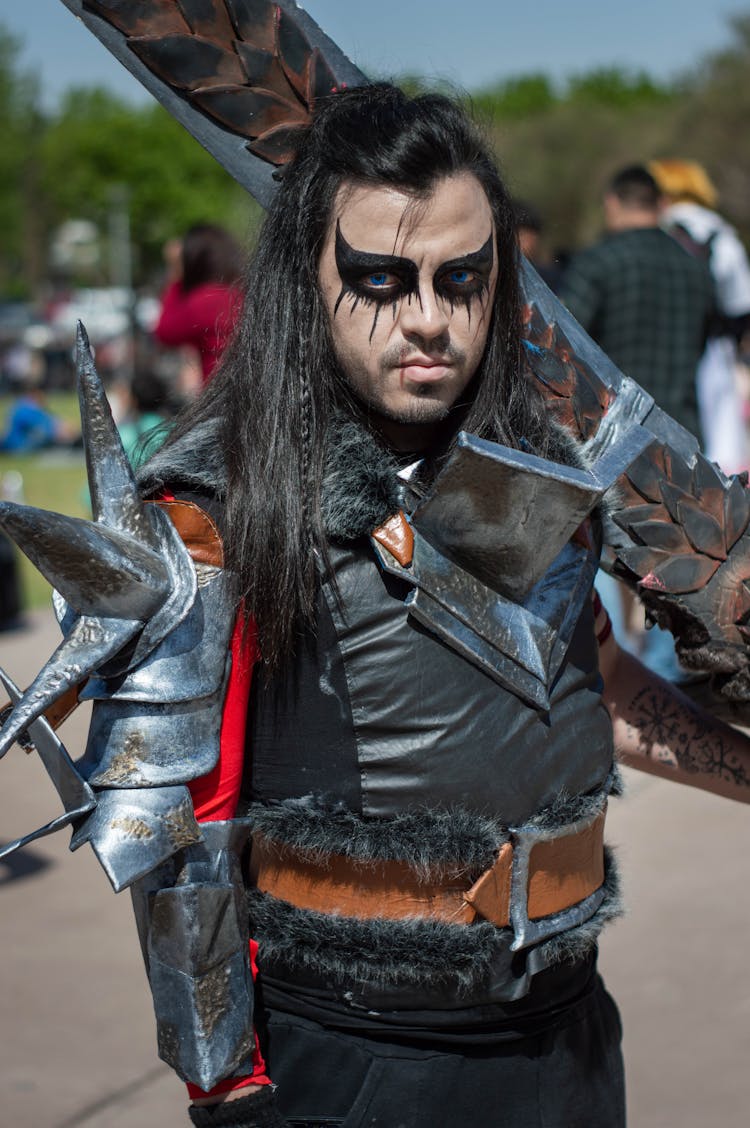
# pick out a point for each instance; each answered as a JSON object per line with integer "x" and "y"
{"x": 145, "y": 637}
{"x": 501, "y": 559}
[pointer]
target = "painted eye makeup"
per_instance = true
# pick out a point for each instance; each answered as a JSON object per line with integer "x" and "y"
{"x": 370, "y": 278}
{"x": 461, "y": 280}
{"x": 380, "y": 280}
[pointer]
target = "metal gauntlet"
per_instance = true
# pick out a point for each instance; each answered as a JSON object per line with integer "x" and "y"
{"x": 192, "y": 921}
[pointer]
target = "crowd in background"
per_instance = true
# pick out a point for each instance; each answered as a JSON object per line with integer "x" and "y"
{"x": 665, "y": 291}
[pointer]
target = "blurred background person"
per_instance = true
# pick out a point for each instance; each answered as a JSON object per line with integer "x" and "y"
{"x": 647, "y": 303}
{"x": 30, "y": 424}
{"x": 642, "y": 297}
{"x": 529, "y": 227}
{"x": 147, "y": 405}
{"x": 689, "y": 200}
{"x": 202, "y": 299}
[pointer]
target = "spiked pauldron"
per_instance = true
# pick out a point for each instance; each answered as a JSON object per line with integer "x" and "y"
{"x": 145, "y": 637}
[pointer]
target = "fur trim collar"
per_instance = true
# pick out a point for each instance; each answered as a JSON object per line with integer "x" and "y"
{"x": 361, "y": 488}
{"x": 194, "y": 463}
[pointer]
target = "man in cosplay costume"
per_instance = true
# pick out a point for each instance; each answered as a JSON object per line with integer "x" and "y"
{"x": 349, "y": 748}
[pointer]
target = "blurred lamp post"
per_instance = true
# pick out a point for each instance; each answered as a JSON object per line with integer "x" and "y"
{"x": 121, "y": 261}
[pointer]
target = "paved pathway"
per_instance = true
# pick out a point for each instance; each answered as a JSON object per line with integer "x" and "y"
{"x": 76, "y": 1030}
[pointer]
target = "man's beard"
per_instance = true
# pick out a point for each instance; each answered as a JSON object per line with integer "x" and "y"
{"x": 423, "y": 405}
{"x": 420, "y": 409}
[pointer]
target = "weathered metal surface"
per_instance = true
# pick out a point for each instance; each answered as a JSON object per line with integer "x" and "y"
{"x": 499, "y": 568}
{"x": 192, "y": 920}
{"x": 504, "y": 515}
{"x": 189, "y": 662}
{"x": 521, "y": 645}
{"x": 527, "y": 932}
{"x": 90, "y": 643}
{"x": 131, "y": 832}
{"x": 133, "y": 743}
{"x": 76, "y": 795}
{"x": 265, "y": 54}
{"x": 126, "y": 576}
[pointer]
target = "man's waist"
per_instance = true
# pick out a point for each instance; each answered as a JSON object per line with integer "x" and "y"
{"x": 543, "y": 881}
{"x": 551, "y": 998}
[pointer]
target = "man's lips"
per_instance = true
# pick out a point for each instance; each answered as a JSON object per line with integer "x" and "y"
{"x": 425, "y": 368}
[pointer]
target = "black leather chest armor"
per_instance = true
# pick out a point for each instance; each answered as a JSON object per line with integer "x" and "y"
{"x": 379, "y": 713}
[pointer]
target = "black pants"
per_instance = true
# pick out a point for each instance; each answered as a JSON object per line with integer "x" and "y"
{"x": 570, "y": 1076}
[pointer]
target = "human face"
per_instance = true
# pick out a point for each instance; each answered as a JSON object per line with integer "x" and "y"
{"x": 408, "y": 285}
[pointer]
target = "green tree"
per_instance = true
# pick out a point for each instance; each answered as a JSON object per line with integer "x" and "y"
{"x": 20, "y": 125}
{"x": 560, "y": 155}
{"x": 617, "y": 87}
{"x": 515, "y": 98}
{"x": 97, "y": 141}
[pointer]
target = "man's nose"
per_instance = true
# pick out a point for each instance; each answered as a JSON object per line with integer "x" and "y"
{"x": 424, "y": 315}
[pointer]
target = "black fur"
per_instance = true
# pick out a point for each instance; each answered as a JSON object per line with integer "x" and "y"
{"x": 360, "y": 490}
{"x": 417, "y": 954}
{"x": 194, "y": 462}
{"x": 380, "y": 954}
{"x": 434, "y": 842}
{"x": 571, "y": 945}
{"x": 568, "y": 809}
{"x": 360, "y": 486}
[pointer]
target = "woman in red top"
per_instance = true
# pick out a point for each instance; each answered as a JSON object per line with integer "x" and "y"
{"x": 202, "y": 300}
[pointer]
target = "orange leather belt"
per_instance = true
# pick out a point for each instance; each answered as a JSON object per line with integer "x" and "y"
{"x": 562, "y": 872}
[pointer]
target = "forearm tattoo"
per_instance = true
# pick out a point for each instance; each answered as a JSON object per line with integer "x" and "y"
{"x": 667, "y": 731}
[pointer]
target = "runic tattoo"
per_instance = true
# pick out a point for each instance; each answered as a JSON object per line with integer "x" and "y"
{"x": 667, "y": 730}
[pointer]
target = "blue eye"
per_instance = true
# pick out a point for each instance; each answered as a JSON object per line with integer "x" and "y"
{"x": 378, "y": 279}
{"x": 459, "y": 277}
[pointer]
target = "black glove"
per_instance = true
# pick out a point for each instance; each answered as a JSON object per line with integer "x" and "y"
{"x": 257, "y": 1110}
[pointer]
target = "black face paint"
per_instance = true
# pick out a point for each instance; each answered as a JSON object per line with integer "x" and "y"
{"x": 467, "y": 277}
{"x": 371, "y": 279}
{"x": 381, "y": 280}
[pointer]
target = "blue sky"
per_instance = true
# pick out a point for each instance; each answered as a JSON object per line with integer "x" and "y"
{"x": 469, "y": 43}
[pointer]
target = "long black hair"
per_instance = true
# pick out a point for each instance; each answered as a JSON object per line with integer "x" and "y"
{"x": 279, "y": 382}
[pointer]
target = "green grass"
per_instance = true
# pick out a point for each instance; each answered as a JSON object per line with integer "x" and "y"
{"x": 50, "y": 480}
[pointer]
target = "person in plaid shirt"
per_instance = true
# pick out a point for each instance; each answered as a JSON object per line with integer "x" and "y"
{"x": 642, "y": 297}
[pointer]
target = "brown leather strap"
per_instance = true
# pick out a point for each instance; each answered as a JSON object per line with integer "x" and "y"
{"x": 562, "y": 872}
{"x": 61, "y": 709}
{"x": 566, "y": 870}
{"x": 197, "y": 530}
{"x": 396, "y": 535}
{"x": 340, "y": 885}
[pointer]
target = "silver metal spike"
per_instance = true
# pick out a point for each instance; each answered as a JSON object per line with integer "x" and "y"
{"x": 76, "y": 795}
{"x": 98, "y": 570}
{"x": 91, "y": 643}
{"x": 115, "y": 500}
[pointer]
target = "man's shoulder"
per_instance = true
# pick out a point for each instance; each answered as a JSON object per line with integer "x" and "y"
{"x": 608, "y": 248}
{"x": 194, "y": 462}
{"x": 651, "y": 249}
